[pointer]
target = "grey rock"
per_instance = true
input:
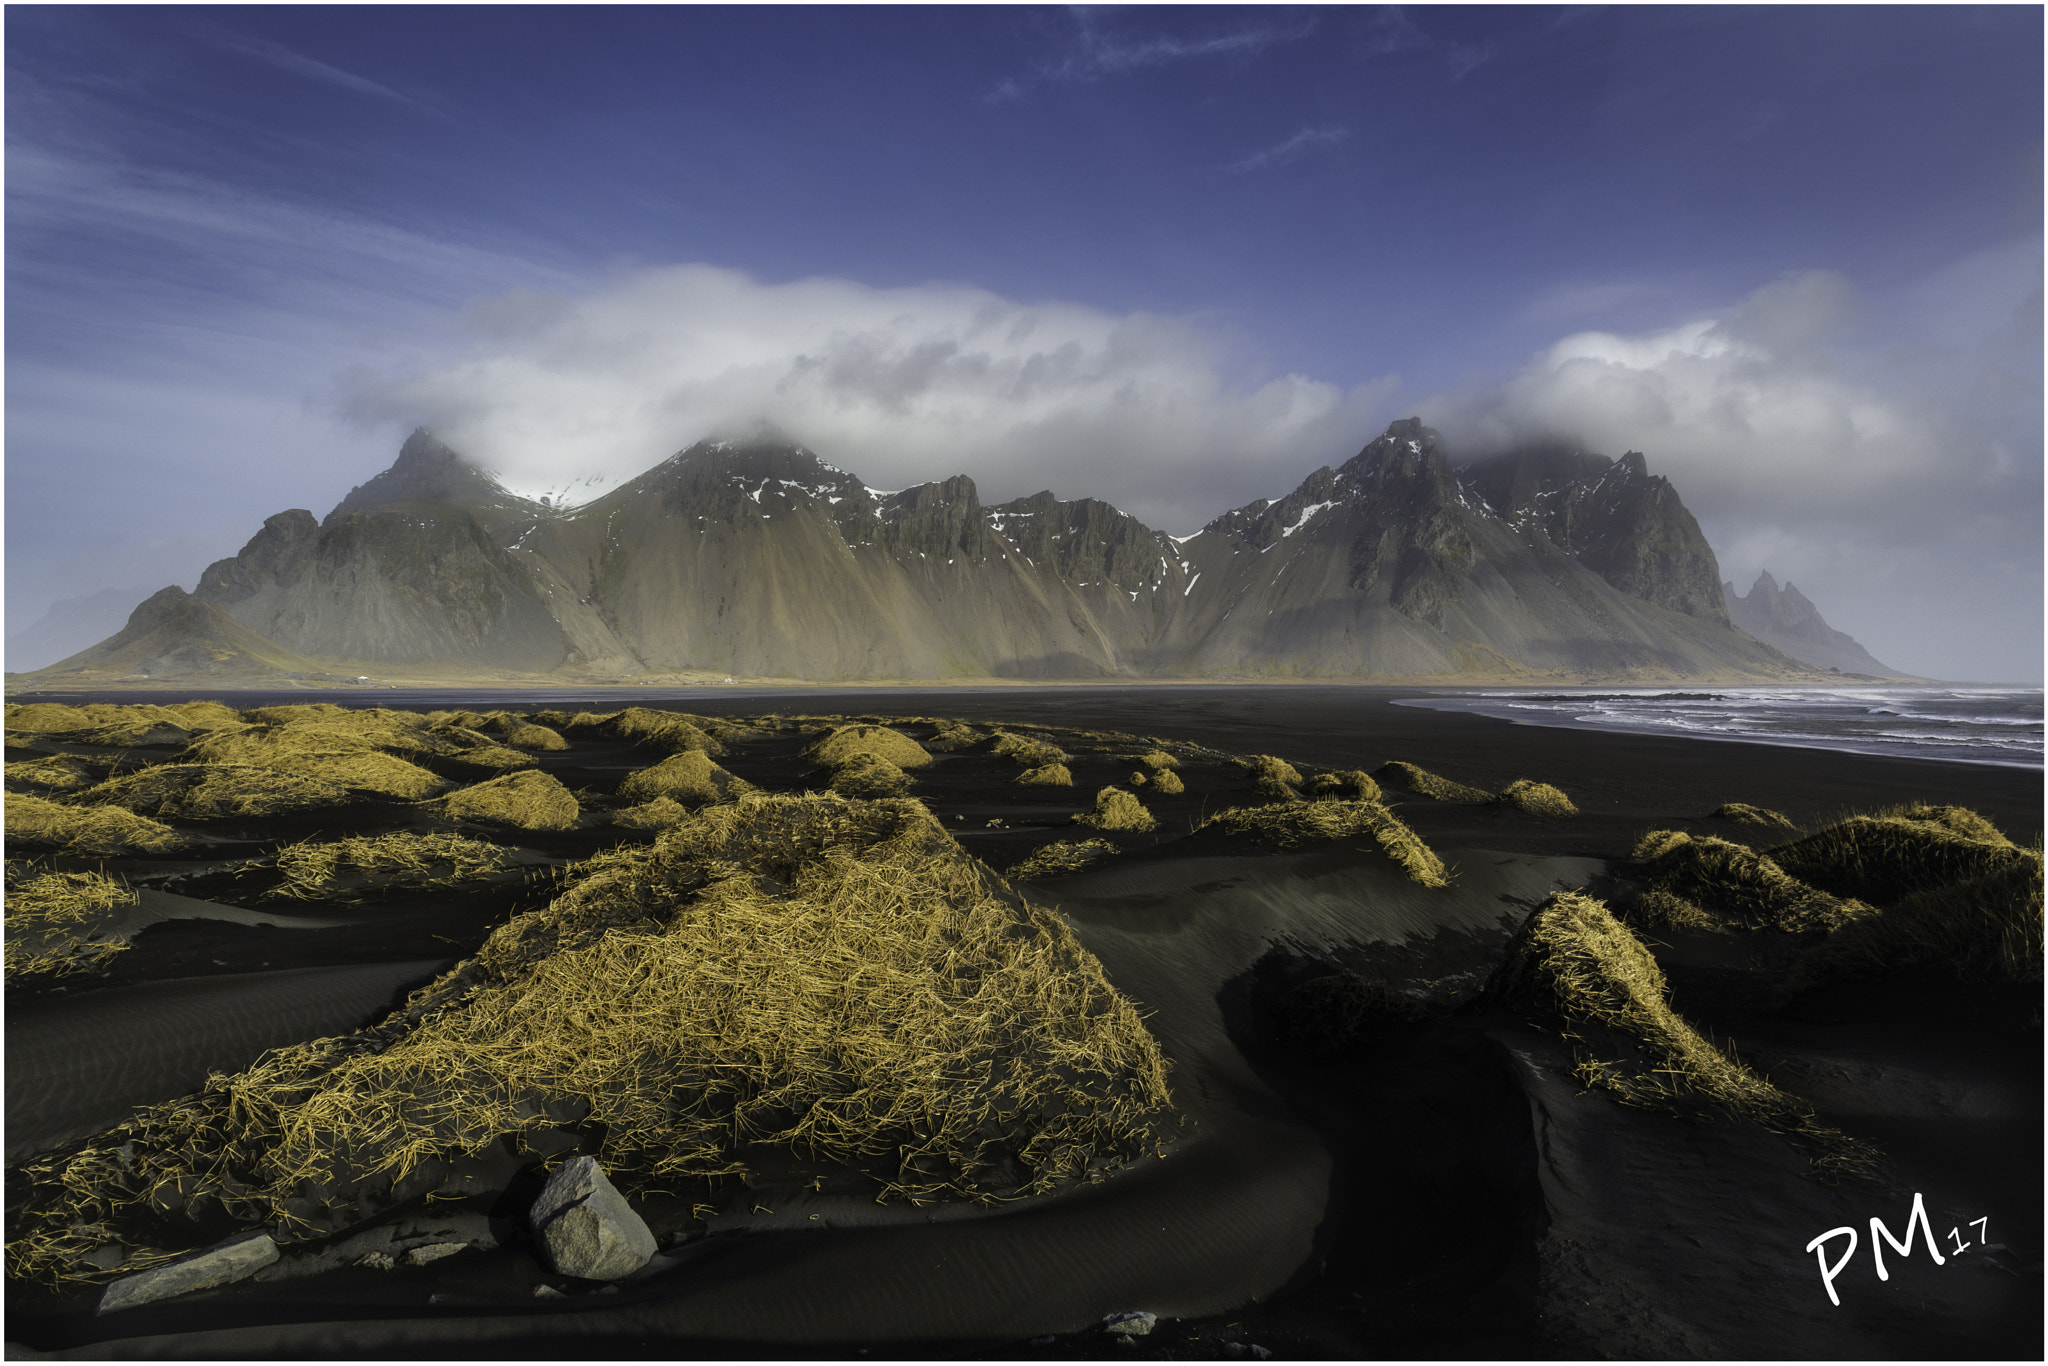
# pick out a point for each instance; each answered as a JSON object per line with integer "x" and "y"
{"x": 218, "y": 1265}
{"x": 433, "y": 1252}
{"x": 586, "y": 1227}
{"x": 1133, "y": 1323}
{"x": 376, "y": 1261}
{"x": 544, "y": 1291}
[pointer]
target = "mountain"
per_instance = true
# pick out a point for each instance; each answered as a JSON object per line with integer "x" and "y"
{"x": 174, "y": 635}
{"x": 759, "y": 559}
{"x": 1784, "y": 619}
{"x": 70, "y": 626}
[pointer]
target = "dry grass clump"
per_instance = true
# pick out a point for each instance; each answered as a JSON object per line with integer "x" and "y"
{"x": 1116, "y": 809}
{"x": 655, "y": 815}
{"x": 1538, "y": 799}
{"x": 1578, "y": 963}
{"x": 689, "y": 777}
{"x": 1355, "y": 784}
{"x": 57, "y": 923}
{"x": 1052, "y": 775}
{"x": 299, "y": 711}
{"x": 210, "y": 791}
{"x": 529, "y": 800}
{"x": 1883, "y": 857}
{"x": 344, "y": 870}
{"x": 58, "y": 718}
{"x": 526, "y": 735}
{"x": 1060, "y": 857}
{"x": 1728, "y": 886}
{"x": 346, "y": 757}
{"x": 869, "y": 776}
{"x": 1744, "y": 814}
{"x": 830, "y": 982}
{"x": 38, "y": 821}
{"x": 667, "y": 730}
{"x": 1028, "y": 752}
{"x": 1275, "y": 779}
{"x": 954, "y": 736}
{"x": 1288, "y": 824}
{"x": 1162, "y": 780}
{"x": 842, "y": 743}
{"x": 58, "y": 773}
{"x": 1426, "y": 784}
{"x": 1155, "y": 760}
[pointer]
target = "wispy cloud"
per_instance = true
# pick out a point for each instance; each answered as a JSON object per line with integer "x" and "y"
{"x": 1098, "y": 54}
{"x": 1293, "y": 149}
{"x": 1465, "y": 59}
{"x": 1388, "y": 31}
{"x": 299, "y": 64}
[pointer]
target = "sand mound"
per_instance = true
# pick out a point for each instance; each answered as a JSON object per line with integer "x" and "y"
{"x": 346, "y": 870}
{"x": 58, "y": 923}
{"x": 1895, "y": 853}
{"x": 1052, "y": 775}
{"x": 1352, "y": 783}
{"x": 1116, "y": 809}
{"x": 115, "y": 719}
{"x": 954, "y": 736}
{"x": 1026, "y": 751}
{"x": 806, "y": 980}
{"x": 870, "y": 776}
{"x": 1704, "y": 882}
{"x": 40, "y": 822}
{"x": 1284, "y": 825}
{"x": 350, "y": 756}
{"x": 844, "y": 743}
{"x": 1426, "y": 784}
{"x": 1538, "y": 799}
{"x": 58, "y": 773}
{"x": 532, "y": 737}
{"x": 529, "y": 801}
{"x": 1744, "y": 814}
{"x": 1061, "y": 856}
{"x": 1335, "y": 1016}
{"x": 210, "y": 791}
{"x": 658, "y": 814}
{"x": 689, "y": 778}
{"x": 1275, "y": 779}
{"x": 1161, "y": 780}
{"x": 1576, "y": 963}
{"x": 1155, "y": 760}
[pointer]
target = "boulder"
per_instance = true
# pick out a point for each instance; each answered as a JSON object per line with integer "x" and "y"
{"x": 586, "y": 1227}
{"x": 218, "y": 1265}
{"x": 1135, "y": 1323}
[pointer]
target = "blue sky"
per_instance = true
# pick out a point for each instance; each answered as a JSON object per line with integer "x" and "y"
{"x": 1175, "y": 258}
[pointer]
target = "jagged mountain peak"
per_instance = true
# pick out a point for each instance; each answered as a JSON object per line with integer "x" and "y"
{"x": 1786, "y": 619}
{"x": 427, "y": 469}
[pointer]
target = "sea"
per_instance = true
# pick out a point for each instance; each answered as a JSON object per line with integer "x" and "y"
{"x": 1975, "y": 725}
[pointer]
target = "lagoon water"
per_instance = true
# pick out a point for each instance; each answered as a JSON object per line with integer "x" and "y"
{"x": 1985, "y": 725}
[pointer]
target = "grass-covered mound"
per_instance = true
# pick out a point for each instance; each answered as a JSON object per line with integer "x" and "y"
{"x": 871, "y": 776}
{"x": 1027, "y": 751}
{"x": 689, "y": 778}
{"x": 669, "y": 731}
{"x": 1052, "y": 775}
{"x": 1061, "y": 857}
{"x": 513, "y": 730}
{"x": 1426, "y": 784}
{"x": 59, "y": 922}
{"x": 658, "y": 814}
{"x": 345, "y": 756}
{"x": 1576, "y": 964}
{"x": 816, "y": 983}
{"x": 1164, "y": 781}
{"x": 954, "y": 736}
{"x": 1116, "y": 809}
{"x": 348, "y": 869}
{"x": 1354, "y": 784}
{"x": 58, "y": 773}
{"x": 1537, "y": 799}
{"x": 1704, "y": 882}
{"x": 211, "y": 791}
{"x": 1285, "y": 825}
{"x": 526, "y": 801}
{"x": 1956, "y": 894}
{"x": 1275, "y": 779}
{"x": 41, "y": 823}
{"x": 112, "y": 723}
{"x": 844, "y": 743}
{"x": 1742, "y": 813}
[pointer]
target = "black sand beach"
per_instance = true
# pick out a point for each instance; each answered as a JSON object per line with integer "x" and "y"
{"x": 1437, "y": 1184}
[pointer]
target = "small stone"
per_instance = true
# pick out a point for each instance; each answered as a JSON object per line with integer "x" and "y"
{"x": 1262, "y": 1353}
{"x": 1043, "y": 1340}
{"x": 1134, "y": 1323}
{"x": 376, "y": 1261}
{"x": 218, "y": 1265}
{"x": 433, "y": 1252}
{"x": 586, "y": 1227}
{"x": 544, "y": 1291}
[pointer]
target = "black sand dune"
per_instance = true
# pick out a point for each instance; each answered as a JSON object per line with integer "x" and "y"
{"x": 1443, "y": 1186}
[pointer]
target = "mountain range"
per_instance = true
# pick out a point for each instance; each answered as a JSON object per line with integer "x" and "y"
{"x": 760, "y": 560}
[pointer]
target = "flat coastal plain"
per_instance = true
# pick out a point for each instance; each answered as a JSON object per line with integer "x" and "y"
{"x": 1388, "y": 1137}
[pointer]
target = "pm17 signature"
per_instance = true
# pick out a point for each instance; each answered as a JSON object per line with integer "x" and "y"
{"x": 1880, "y": 1235}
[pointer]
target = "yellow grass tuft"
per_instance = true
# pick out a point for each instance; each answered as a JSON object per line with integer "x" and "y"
{"x": 795, "y": 980}
{"x": 1061, "y": 857}
{"x": 1275, "y": 779}
{"x": 1744, "y": 814}
{"x": 1116, "y": 809}
{"x": 663, "y": 730}
{"x": 209, "y": 791}
{"x": 1028, "y": 752}
{"x": 880, "y": 742}
{"x": 871, "y": 776}
{"x": 1052, "y": 775}
{"x": 658, "y": 814}
{"x": 1577, "y": 962}
{"x": 57, "y": 923}
{"x": 1882, "y": 857}
{"x": 1352, "y": 783}
{"x": 345, "y": 756}
{"x": 1167, "y": 783}
{"x": 954, "y": 736}
{"x": 1735, "y": 886}
{"x": 1288, "y": 824}
{"x": 343, "y": 870}
{"x": 38, "y": 821}
{"x": 529, "y": 801}
{"x": 1156, "y": 760}
{"x": 58, "y": 773}
{"x": 528, "y": 736}
{"x": 1426, "y": 784}
{"x": 1538, "y": 799}
{"x": 58, "y": 718}
{"x": 689, "y": 777}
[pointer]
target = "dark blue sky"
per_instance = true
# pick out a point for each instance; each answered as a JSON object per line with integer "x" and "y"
{"x": 246, "y": 249}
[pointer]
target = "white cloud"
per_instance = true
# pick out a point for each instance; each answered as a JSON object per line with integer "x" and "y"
{"x": 1289, "y": 150}
{"x": 899, "y": 385}
{"x": 1099, "y": 53}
